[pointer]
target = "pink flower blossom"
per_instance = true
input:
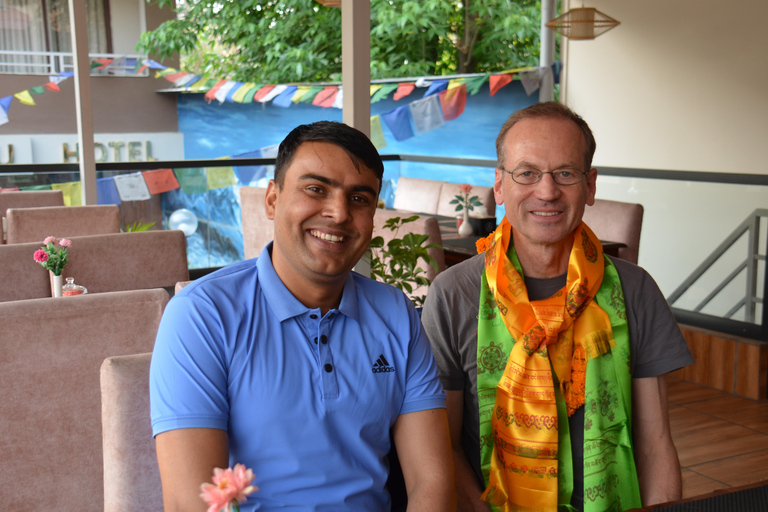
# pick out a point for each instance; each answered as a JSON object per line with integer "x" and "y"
{"x": 50, "y": 239}
{"x": 65, "y": 243}
{"x": 40, "y": 256}
{"x": 465, "y": 188}
{"x": 229, "y": 486}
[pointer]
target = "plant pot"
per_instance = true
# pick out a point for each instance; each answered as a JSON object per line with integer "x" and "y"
{"x": 56, "y": 284}
{"x": 465, "y": 229}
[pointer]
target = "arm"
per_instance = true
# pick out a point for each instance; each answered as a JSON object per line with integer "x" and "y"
{"x": 467, "y": 489}
{"x": 186, "y": 458}
{"x": 658, "y": 468}
{"x": 422, "y": 443}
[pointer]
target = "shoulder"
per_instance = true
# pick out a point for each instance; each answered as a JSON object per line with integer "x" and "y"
{"x": 463, "y": 276}
{"x": 635, "y": 280}
{"x": 226, "y": 281}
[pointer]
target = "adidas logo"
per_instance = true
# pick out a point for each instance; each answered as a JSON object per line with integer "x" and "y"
{"x": 382, "y": 365}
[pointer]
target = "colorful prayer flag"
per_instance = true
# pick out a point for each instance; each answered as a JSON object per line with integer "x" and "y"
{"x": 52, "y": 86}
{"x": 474, "y": 84}
{"x": 239, "y": 95}
{"x": 106, "y": 191}
{"x": 311, "y": 93}
{"x": 192, "y": 180}
{"x": 160, "y": 180}
{"x": 220, "y": 177}
{"x": 263, "y": 92}
{"x": 326, "y": 97}
{"x": 300, "y": 92}
{"x": 531, "y": 80}
{"x": 399, "y": 122}
{"x": 383, "y": 92}
{"x": 273, "y": 93}
{"x": 25, "y": 98}
{"x": 37, "y": 90}
{"x": 377, "y": 133}
{"x": 211, "y": 94}
{"x": 404, "y": 90}
{"x": 232, "y": 89}
{"x": 247, "y": 173}
{"x": 71, "y": 191}
{"x": 284, "y": 98}
{"x": 250, "y": 93}
{"x": 338, "y": 101}
{"x": 453, "y": 101}
{"x": 426, "y": 114}
{"x": 436, "y": 87}
{"x": 499, "y": 81}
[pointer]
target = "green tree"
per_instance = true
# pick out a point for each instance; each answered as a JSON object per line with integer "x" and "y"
{"x": 278, "y": 41}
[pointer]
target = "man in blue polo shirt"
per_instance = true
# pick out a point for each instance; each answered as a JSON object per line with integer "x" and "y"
{"x": 295, "y": 366}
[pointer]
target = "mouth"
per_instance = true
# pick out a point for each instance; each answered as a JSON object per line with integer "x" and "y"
{"x": 546, "y": 214}
{"x": 327, "y": 237}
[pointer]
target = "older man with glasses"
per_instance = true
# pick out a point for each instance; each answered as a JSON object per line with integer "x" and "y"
{"x": 554, "y": 356}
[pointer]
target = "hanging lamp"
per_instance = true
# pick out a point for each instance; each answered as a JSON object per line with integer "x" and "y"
{"x": 330, "y": 3}
{"x": 582, "y": 23}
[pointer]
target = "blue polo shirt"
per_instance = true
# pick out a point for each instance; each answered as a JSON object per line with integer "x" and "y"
{"x": 307, "y": 400}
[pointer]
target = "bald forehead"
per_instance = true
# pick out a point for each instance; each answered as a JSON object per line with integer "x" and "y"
{"x": 549, "y": 133}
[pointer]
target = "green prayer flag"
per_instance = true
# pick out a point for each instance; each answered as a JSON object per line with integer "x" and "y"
{"x": 248, "y": 97}
{"x": 36, "y": 187}
{"x": 191, "y": 180}
{"x": 474, "y": 84}
{"x": 37, "y": 90}
{"x": 311, "y": 93}
{"x": 220, "y": 177}
{"x": 383, "y": 92}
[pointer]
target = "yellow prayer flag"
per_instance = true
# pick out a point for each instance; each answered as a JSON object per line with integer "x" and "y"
{"x": 375, "y": 87}
{"x": 25, "y": 98}
{"x": 200, "y": 85}
{"x": 377, "y": 134}
{"x": 72, "y": 192}
{"x": 455, "y": 82}
{"x": 300, "y": 92}
{"x": 240, "y": 93}
{"x": 220, "y": 177}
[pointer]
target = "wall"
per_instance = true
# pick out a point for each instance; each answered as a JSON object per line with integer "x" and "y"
{"x": 681, "y": 86}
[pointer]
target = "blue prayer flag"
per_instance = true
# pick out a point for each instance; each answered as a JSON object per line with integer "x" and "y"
{"x": 436, "y": 87}
{"x": 6, "y": 103}
{"x": 106, "y": 191}
{"x": 284, "y": 99}
{"x": 247, "y": 173}
{"x": 399, "y": 122}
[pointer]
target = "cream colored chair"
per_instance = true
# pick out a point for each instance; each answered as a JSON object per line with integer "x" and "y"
{"x": 101, "y": 263}
{"x": 258, "y": 230}
{"x": 50, "y": 414}
{"x": 434, "y": 197}
{"x": 35, "y": 224}
{"x": 615, "y": 221}
{"x": 131, "y": 474}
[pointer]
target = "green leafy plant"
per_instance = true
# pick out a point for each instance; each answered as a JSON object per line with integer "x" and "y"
{"x": 463, "y": 201}
{"x": 397, "y": 261}
{"x": 139, "y": 225}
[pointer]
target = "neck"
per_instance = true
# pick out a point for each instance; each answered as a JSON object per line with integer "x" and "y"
{"x": 544, "y": 261}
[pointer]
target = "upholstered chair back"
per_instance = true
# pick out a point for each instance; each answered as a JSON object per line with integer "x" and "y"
{"x": 101, "y": 263}
{"x": 131, "y": 474}
{"x": 430, "y": 196}
{"x": 258, "y": 230}
{"x": 27, "y": 199}
{"x": 50, "y": 414}
{"x": 615, "y": 221}
{"x": 35, "y": 224}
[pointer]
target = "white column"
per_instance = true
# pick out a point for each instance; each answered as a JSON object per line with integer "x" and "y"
{"x": 356, "y": 63}
{"x": 547, "y": 55}
{"x": 83, "y": 105}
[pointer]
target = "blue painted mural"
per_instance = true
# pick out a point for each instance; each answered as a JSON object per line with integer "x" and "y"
{"x": 228, "y": 129}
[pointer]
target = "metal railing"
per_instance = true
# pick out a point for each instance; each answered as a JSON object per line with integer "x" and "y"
{"x": 53, "y": 63}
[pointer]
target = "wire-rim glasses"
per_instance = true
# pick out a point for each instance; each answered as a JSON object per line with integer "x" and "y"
{"x": 564, "y": 177}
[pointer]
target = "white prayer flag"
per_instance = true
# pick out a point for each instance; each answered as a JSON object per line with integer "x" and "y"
{"x": 273, "y": 93}
{"x": 221, "y": 94}
{"x": 532, "y": 79}
{"x": 3, "y": 120}
{"x": 423, "y": 82}
{"x": 426, "y": 114}
{"x": 338, "y": 102}
{"x": 132, "y": 187}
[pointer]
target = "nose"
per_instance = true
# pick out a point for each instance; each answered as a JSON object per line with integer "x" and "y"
{"x": 547, "y": 189}
{"x": 337, "y": 208}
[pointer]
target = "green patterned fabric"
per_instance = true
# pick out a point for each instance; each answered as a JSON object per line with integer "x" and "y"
{"x": 610, "y": 476}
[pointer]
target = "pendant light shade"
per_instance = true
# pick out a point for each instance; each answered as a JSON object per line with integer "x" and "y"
{"x": 330, "y": 3}
{"x": 582, "y": 23}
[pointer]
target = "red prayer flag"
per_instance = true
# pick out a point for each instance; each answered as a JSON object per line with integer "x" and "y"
{"x": 160, "y": 180}
{"x": 172, "y": 77}
{"x": 326, "y": 97}
{"x": 452, "y": 101}
{"x": 103, "y": 62}
{"x": 404, "y": 90}
{"x": 499, "y": 81}
{"x": 211, "y": 94}
{"x": 52, "y": 86}
{"x": 263, "y": 92}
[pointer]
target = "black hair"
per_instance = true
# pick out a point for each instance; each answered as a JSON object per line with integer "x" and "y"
{"x": 359, "y": 148}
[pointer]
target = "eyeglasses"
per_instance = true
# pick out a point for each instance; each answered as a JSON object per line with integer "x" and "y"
{"x": 532, "y": 176}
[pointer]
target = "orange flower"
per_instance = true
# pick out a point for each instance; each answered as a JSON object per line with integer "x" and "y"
{"x": 465, "y": 189}
{"x": 230, "y": 488}
{"x": 483, "y": 243}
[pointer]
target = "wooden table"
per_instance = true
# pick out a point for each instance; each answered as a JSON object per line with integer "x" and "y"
{"x": 458, "y": 249}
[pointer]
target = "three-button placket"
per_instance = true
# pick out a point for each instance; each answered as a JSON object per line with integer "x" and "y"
{"x": 325, "y": 356}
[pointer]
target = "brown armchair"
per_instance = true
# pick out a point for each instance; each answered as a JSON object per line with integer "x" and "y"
{"x": 617, "y": 222}
{"x": 35, "y": 224}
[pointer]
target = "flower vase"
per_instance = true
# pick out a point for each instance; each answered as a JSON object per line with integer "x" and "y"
{"x": 56, "y": 284}
{"x": 465, "y": 229}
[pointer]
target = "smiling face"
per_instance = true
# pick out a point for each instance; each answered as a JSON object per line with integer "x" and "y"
{"x": 323, "y": 217}
{"x": 544, "y": 214}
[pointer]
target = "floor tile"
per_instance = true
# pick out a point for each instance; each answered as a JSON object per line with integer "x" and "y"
{"x": 695, "y": 484}
{"x": 741, "y": 411}
{"x": 737, "y": 470}
{"x": 684, "y": 392}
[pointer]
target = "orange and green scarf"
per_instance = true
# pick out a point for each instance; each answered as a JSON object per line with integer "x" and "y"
{"x": 573, "y": 351}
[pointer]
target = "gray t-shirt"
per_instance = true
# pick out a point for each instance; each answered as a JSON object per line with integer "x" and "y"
{"x": 450, "y": 320}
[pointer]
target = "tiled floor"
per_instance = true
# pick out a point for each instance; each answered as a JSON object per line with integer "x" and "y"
{"x": 721, "y": 439}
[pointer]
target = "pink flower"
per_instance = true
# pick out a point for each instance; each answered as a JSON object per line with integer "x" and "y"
{"x": 229, "y": 486}
{"x": 50, "y": 239}
{"x": 40, "y": 256}
{"x": 465, "y": 188}
{"x": 65, "y": 243}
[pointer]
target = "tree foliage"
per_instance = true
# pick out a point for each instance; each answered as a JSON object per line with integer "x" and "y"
{"x": 279, "y": 41}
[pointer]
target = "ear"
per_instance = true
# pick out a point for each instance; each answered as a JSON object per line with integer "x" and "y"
{"x": 497, "y": 187}
{"x": 591, "y": 186}
{"x": 270, "y": 200}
